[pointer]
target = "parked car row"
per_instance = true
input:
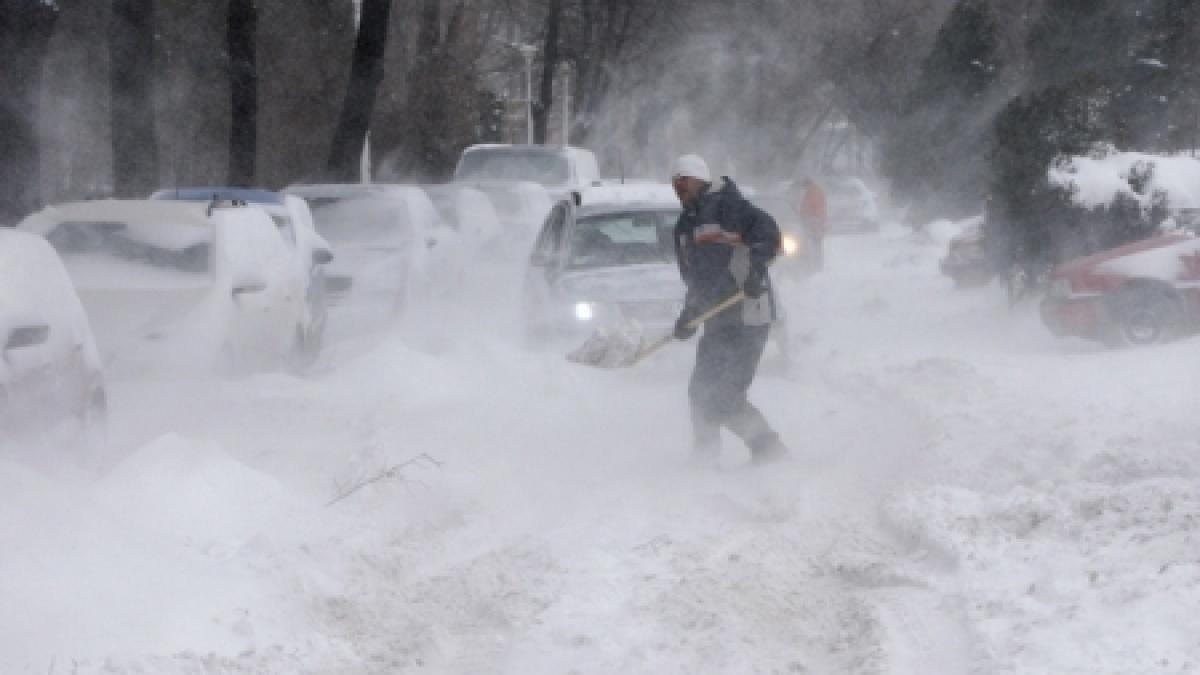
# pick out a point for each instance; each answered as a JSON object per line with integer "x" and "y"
{"x": 215, "y": 278}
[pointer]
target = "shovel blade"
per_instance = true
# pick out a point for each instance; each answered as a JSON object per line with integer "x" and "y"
{"x": 611, "y": 347}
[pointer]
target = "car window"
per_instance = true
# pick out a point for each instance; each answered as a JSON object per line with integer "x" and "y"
{"x": 623, "y": 239}
{"x": 190, "y": 252}
{"x": 362, "y": 220}
{"x": 285, "y": 227}
{"x": 551, "y": 235}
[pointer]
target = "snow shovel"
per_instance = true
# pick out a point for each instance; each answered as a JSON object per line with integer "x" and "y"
{"x": 626, "y": 347}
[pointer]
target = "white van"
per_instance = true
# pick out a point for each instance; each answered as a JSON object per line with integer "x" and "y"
{"x": 560, "y": 169}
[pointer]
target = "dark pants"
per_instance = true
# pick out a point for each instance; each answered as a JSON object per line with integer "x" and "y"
{"x": 726, "y": 361}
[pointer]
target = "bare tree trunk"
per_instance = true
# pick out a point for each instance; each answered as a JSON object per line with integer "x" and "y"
{"x": 366, "y": 72}
{"x": 135, "y": 146}
{"x": 243, "y": 89}
{"x": 25, "y": 30}
{"x": 541, "y": 112}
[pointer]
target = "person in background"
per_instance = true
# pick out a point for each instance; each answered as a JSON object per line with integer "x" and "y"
{"x": 814, "y": 215}
{"x": 724, "y": 244}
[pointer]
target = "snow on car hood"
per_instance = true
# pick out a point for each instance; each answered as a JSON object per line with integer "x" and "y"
{"x": 1166, "y": 262}
{"x": 1112, "y": 261}
{"x": 630, "y": 283}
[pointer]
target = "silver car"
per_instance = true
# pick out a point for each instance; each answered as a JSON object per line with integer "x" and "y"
{"x": 602, "y": 264}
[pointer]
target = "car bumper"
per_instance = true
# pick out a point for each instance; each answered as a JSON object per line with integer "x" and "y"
{"x": 563, "y": 320}
{"x": 1076, "y": 317}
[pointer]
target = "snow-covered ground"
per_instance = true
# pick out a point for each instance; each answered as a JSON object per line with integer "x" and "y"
{"x": 967, "y": 495}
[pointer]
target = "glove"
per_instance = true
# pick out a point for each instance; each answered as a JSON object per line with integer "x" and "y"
{"x": 756, "y": 282}
{"x": 682, "y": 330}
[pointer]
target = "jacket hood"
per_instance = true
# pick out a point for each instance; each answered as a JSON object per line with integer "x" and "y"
{"x": 726, "y": 186}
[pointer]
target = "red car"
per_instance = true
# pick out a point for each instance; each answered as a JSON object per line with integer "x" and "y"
{"x": 1140, "y": 293}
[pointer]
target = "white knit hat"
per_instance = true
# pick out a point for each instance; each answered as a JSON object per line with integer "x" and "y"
{"x": 693, "y": 166}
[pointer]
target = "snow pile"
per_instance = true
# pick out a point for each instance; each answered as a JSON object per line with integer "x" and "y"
{"x": 1096, "y": 181}
{"x": 181, "y": 547}
{"x": 1109, "y": 570}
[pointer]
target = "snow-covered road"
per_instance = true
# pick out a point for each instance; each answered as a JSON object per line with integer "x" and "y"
{"x": 967, "y": 495}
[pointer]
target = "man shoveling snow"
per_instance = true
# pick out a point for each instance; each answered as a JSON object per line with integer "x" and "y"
{"x": 724, "y": 244}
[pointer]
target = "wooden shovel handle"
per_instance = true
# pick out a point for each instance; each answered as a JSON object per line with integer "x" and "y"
{"x": 694, "y": 323}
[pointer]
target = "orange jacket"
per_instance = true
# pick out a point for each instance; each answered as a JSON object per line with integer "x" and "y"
{"x": 813, "y": 209}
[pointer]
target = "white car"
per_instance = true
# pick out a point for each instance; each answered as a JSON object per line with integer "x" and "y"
{"x": 49, "y": 367}
{"x": 310, "y": 251}
{"x": 178, "y": 284}
{"x": 381, "y": 234}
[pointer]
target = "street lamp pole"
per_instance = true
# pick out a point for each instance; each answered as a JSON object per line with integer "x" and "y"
{"x": 528, "y": 51}
{"x": 566, "y": 104}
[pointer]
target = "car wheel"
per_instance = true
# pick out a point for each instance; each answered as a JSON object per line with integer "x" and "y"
{"x": 1146, "y": 316}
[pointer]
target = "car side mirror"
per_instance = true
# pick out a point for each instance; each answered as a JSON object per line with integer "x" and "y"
{"x": 322, "y": 256}
{"x": 577, "y": 197}
{"x": 27, "y": 336}
{"x": 250, "y": 286}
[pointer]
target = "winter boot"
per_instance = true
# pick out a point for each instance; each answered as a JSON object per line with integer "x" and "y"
{"x": 767, "y": 448}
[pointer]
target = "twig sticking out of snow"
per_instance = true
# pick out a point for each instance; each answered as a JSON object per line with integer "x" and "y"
{"x": 393, "y": 471}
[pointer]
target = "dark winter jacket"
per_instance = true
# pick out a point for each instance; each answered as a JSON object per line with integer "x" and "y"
{"x": 718, "y": 240}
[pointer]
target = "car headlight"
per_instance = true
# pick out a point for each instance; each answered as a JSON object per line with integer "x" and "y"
{"x": 791, "y": 245}
{"x": 585, "y": 311}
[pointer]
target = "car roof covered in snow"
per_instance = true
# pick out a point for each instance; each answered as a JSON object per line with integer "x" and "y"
{"x": 658, "y": 194}
{"x": 204, "y": 194}
{"x": 625, "y": 207}
{"x": 348, "y": 190}
{"x": 144, "y": 212}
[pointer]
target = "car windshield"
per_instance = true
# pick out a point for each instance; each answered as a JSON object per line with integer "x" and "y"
{"x": 613, "y": 239}
{"x": 357, "y": 220}
{"x": 509, "y": 164}
{"x": 178, "y": 249}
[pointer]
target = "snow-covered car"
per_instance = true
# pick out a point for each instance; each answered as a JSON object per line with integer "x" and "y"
{"x": 967, "y": 261}
{"x": 49, "y": 367}
{"x": 559, "y": 169}
{"x": 851, "y": 205}
{"x": 1141, "y": 293}
{"x": 381, "y": 234}
{"x": 802, "y": 252}
{"x": 311, "y": 253}
{"x": 183, "y": 284}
